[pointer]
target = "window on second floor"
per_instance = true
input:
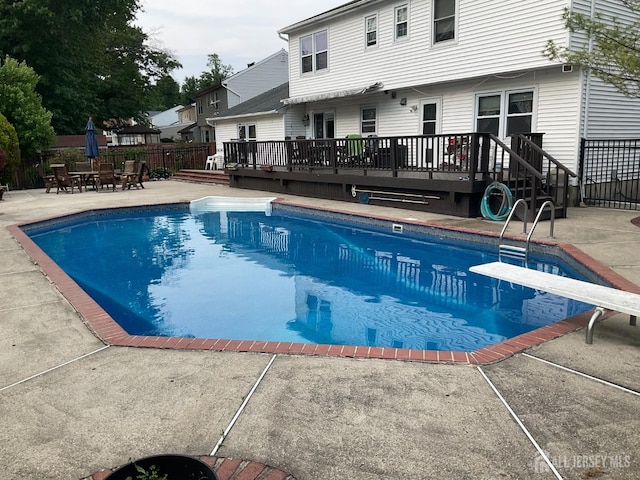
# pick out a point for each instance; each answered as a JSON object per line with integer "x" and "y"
{"x": 402, "y": 22}
{"x": 314, "y": 52}
{"x": 371, "y": 30}
{"x": 368, "y": 120}
{"x": 214, "y": 101}
{"x": 200, "y": 110}
{"x": 444, "y": 20}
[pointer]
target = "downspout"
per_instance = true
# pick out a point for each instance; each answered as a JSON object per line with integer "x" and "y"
{"x": 587, "y": 94}
{"x": 587, "y": 101}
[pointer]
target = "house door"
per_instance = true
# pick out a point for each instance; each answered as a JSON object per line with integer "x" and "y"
{"x": 430, "y": 116}
{"x": 324, "y": 125}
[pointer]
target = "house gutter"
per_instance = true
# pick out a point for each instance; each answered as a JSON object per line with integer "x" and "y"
{"x": 225, "y": 85}
{"x": 328, "y": 15}
{"x": 245, "y": 115}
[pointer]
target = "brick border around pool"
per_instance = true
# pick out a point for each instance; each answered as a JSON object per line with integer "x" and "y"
{"x": 108, "y": 330}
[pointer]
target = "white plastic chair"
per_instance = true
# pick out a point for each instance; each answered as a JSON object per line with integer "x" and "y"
{"x": 209, "y": 165}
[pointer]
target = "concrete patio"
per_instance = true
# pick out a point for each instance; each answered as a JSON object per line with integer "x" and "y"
{"x": 71, "y": 406}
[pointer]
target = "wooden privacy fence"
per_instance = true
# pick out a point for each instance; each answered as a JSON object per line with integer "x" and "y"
{"x": 162, "y": 159}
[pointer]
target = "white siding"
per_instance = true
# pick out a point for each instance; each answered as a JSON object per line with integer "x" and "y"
{"x": 610, "y": 114}
{"x": 486, "y": 43}
{"x": 261, "y": 77}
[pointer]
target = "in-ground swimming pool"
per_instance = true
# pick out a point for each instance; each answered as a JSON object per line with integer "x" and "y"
{"x": 294, "y": 277}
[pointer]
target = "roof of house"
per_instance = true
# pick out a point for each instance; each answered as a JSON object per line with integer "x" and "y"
{"x": 189, "y": 128}
{"x": 251, "y": 66}
{"x": 267, "y": 102}
{"x": 334, "y": 12}
{"x": 137, "y": 129}
{"x": 77, "y": 141}
{"x": 166, "y": 117}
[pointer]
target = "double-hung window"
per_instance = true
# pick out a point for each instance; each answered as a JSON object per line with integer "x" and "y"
{"x": 314, "y": 52}
{"x": 401, "y": 22}
{"x": 505, "y": 113}
{"x": 444, "y": 20}
{"x": 371, "y": 30}
{"x": 368, "y": 118}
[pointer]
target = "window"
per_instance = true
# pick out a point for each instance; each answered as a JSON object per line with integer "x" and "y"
{"x": 371, "y": 29}
{"x": 368, "y": 120}
{"x": 444, "y": 20}
{"x": 402, "y": 23}
{"x": 200, "y": 106}
{"x": 520, "y": 112}
{"x": 214, "y": 101}
{"x": 515, "y": 116}
{"x": 429, "y": 118}
{"x": 488, "y": 114}
{"x": 247, "y": 131}
{"x": 314, "y": 52}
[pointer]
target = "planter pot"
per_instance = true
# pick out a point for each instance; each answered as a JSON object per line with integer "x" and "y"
{"x": 175, "y": 467}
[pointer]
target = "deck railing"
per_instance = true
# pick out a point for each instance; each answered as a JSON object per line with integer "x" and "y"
{"x": 458, "y": 153}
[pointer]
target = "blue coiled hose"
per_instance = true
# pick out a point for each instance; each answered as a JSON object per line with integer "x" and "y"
{"x": 505, "y": 206}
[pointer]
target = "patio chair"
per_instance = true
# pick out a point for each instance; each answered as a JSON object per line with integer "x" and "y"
{"x": 135, "y": 179}
{"x": 107, "y": 176}
{"x": 49, "y": 180}
{"x": 128, "y": 172}
{"x": 64, "y": 180}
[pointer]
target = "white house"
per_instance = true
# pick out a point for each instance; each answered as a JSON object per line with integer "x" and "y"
{"x": 257, "y": 78}
{"x": 263, "y": 117}
{"x": 447, "y": 66}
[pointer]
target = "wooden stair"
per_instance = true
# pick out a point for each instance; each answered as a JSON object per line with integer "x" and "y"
{"x": 213, "y": 177}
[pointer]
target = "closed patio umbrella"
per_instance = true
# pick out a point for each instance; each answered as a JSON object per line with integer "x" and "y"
{"x": 90, "y": 142}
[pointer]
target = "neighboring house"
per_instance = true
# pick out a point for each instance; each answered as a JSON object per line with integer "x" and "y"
{"x": 392, "y": 68}
{"x": 135, "y": 135}
{"x": 263, "y": 117}
{"x": 171, "y": 122}
{"x": 240, "y": 87}
{"x": 64, "y": 142}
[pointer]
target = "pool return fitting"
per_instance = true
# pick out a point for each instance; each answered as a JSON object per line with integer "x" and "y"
{"x": 366, "y": 195}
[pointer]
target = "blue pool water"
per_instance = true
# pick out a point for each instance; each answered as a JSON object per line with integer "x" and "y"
{"x": 290, "y": 278}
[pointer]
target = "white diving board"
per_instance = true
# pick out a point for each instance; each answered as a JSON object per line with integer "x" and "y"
{"x": 604, "y": 298}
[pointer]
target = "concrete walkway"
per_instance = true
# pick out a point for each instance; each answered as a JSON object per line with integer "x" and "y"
{"x": 71, "y": 406}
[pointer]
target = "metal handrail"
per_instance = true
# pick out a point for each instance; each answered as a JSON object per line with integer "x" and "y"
{"x": 513, "y": 209}
{"x": 535, "y": 222}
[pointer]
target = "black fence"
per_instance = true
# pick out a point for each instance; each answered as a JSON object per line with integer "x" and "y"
{"x": 162, "y": 160}
{"x": 610, "y": 173}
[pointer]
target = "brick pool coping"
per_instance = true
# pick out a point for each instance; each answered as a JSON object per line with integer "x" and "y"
{"x": 111, "y": 333}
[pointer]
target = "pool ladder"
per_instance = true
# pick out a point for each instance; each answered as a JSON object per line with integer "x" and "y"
{"x": 515, "y": 251}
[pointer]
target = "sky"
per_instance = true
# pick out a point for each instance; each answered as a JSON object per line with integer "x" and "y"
{"x": 239, "y": 31}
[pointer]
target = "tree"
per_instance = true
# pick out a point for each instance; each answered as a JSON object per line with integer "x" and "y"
{"x": 91, "y": 59}
{"x": 217, "y": 73}
{"x": 165, "y": 94}
{"x": 9, "y": 150}
{"x": 611, "y": 50}
{"x": 22, "y": 107}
